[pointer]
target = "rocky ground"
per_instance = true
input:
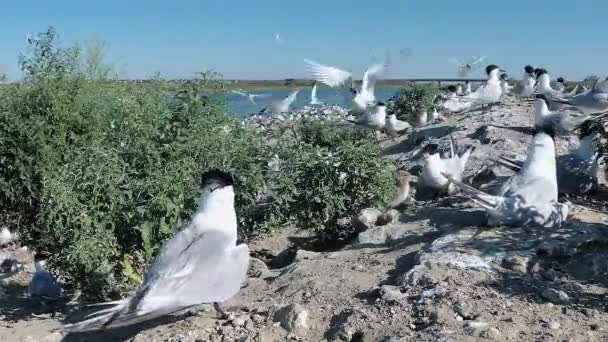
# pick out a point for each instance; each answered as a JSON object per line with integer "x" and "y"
{"x": 431, "y": 271}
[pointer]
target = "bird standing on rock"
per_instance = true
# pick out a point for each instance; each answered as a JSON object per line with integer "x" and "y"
{"x": 528, "y": 198}
{"x": 200, "y": 264}
{"x": 490, "y": 92}
{"x": 577, "y": 172}
{"x": 403, "y": 192}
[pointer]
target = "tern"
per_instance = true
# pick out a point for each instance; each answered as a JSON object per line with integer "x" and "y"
{"x": 435, "y": 168}
{"x": 594, "y": 101}
{"x": 362, "y": 100}
{"x": 528, "y": 198}
{"x": 577, "y": 170}
{"x": 313, "y": 96}
{"x": 250, "y": 96}
{"x": 528, "y": 82}
{"x": 282, "y": 105}
{"x": 466, "y": 68}
{"x": 490, "y": 92}
{"x": 201, "y": 264}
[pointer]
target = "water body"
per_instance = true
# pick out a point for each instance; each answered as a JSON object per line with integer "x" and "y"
{"x": 241, "y": 107}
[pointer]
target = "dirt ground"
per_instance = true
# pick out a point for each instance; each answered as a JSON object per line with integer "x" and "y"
{"x": 435, "y": 273}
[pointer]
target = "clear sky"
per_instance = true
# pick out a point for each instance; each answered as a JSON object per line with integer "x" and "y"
{"x": 237, "y": 37}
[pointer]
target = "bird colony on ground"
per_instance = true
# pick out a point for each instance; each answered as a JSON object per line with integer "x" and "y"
{"x": 203, "y": 263}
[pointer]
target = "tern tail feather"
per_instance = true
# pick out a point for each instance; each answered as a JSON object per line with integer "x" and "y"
{"x": 482, "y": 198}
{"x": 512, "y": 164}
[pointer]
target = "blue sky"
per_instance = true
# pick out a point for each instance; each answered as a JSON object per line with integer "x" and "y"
{"x": 236, "y": 38}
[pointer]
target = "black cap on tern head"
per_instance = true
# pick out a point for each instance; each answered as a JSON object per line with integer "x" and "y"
{"x": 381, "y": 104}
{"x": 529, "y": 69}
{"x": 539, "y": 72}
{"x": 452, "y": 88}
{"x": 541, "y": 97}
{"x": 217, "y": 176}
{"x": 561, "y": 80}
{"x": 490, "y": 68}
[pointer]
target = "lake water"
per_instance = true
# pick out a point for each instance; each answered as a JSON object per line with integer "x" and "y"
{"x": 241, "y": 107}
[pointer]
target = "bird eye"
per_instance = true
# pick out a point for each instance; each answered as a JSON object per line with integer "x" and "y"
{"x": 214, "y": 187}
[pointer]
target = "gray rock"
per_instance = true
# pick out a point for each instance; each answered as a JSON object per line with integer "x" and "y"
{"x": 306, "y": 255}
{"x": 391, "y": 294}
{"x": 517, "y": 263}
{"x": 373, "y": 236}
{"x": 393, "y": 339}
{"x": 475, "y": 328}
{"x": 494, "y": 334}
{"x": 554, "y": 248}
{"x": 463, "y": 310}
{"x": 257, "y": 268}
{"x": 367, "y": 219}
{"x": 293, "y": 318}
{"x": 553, "y": 325}
{"x": 239, "y": 321}
{"x": 388, "y": 217}
{"x": 555, "y": 296}
{"x": 550, "y": 275}
{"x": 434, "y": 292}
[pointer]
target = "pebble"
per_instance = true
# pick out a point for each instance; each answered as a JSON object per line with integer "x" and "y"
{"x": 367, "y": 219}
{"x": 494, "y": 334}
{"x": 553, "y": 325}
{"x": 476, "y": 327}
{"x": 550, "y": 275}
{"x": 555, "y": 296}
{"x": 239, "y": 321}
{"x": 391, "y": 294}
{"x": 293, "y": 318}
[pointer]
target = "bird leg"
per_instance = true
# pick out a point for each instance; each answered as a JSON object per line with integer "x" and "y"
{"x": 220, "y": 310}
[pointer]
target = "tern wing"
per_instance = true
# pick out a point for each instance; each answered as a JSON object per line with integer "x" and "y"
{"x": 238, "y": 92}
{"x": 194, "y": 267}
{"x": 329, "y": 75}
{"x": 372, "y": 75}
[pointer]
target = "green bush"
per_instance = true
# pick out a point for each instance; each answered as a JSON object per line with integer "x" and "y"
{"x": 412, "y": 100}
{"x": 104, "y": 173}
{"x": 331, "y": 172}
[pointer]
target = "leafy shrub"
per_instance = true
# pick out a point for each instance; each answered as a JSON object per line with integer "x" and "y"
{"x": 331, "y": 172}
{"x": 105, "y": 173}
{"x": 412, "y": 100}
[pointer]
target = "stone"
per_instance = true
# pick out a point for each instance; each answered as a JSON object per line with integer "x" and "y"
{"x": 555, "y": 296}
{"x": 388, "y": 217}
{"x": 550, "y": 275}
{"x": 306, "y": 255}
{"x": 367, "y": 219}
{"x": 554, "y": 249}
{"x": 553, "y": 325}
{"x": 475, "y": 328}
{"x": 293, "y": 318}
{"x": 373, "y": 236}
{"x": 257, "y": 268}
{"x": 494, "y": 334}
{"x": 517, "y": 263}
{"x": 239, "y": 321}
{"x": 391, "y": 294}
{"x": 463, "y": 310}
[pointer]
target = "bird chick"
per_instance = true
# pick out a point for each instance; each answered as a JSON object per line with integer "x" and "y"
{"x": 405, "y": 183}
